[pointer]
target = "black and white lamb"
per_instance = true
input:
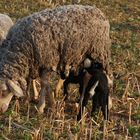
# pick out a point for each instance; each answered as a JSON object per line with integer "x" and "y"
{"x": 93, "y": 83}
{"x": 97, "y": 89}
{"x": 51, "y": 40}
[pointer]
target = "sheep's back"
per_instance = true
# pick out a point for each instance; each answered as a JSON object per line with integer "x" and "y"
{"x": 61, "y": 36}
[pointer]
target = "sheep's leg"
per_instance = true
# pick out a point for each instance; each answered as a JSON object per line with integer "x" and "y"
{"x": 36, "y": 93}
{"x": 45, "y": 87}
{"x": 58, "y": 87}
{"x": 5, "y": 101}
{"x": 41, "y": 105}
{"x": 28, "y": 89}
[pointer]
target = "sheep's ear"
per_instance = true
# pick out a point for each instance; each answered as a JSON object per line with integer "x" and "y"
{"x": 4, "y": 102}
{"x": 15, "y": 89}
{"x": 87, "y": 63}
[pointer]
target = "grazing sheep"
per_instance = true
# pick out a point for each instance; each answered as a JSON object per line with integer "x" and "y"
{"x": 97, "y": 89}
{"x": 5, "y": 24}
{"x": 52, "y": 40}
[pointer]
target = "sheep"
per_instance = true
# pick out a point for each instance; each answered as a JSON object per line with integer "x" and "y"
{"x": 5, "y": 24}
{"x": 52, "y": 40}
{"x": 97, "y": 89}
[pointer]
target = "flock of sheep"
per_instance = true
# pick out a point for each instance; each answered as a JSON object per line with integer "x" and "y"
{"x": 71, "y": 40}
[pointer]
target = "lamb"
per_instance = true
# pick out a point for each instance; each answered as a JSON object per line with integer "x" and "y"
{"x": 97, "y": 89}
{"x": 94, "y": 83}
{"x": 52, "y": 40}
{"x": 5, "y": 24}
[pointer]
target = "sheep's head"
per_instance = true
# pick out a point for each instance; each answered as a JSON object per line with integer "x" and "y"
{"x": 8, "y": 89}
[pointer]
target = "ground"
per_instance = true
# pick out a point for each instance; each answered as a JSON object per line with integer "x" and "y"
{"x": 27, "y": 124}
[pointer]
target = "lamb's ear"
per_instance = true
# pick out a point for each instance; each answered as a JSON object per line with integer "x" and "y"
{"x": 15, "y": 89}
{"x": 87, "y": 63}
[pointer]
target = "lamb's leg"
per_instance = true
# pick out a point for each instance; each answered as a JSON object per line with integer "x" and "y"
{"x": 104, "y": 106}
{"x": 83, "y": 104}
{"x": 5, "y": 101}
{"x": 45, "y": 87}
{"x": 84, "y": 95}
{"x": 94, "y": 103}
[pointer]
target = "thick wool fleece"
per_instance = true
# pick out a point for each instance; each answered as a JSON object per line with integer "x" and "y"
{"x": 57, "y": 37}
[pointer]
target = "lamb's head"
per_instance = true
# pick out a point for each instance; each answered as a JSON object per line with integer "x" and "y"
{"x": 8, "y": 89}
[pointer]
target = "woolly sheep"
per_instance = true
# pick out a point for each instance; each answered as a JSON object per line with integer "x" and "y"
{"x": 52, "y": 40}
{"x": 5, "y": 24}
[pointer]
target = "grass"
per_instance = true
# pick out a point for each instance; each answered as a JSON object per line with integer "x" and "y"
{"x": 124, "y": 124}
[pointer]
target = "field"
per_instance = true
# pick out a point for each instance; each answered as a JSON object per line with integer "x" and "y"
{"x": 26, "y": 124}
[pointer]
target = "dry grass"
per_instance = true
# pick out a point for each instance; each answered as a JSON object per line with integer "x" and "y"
{"x": 24, "y": 123}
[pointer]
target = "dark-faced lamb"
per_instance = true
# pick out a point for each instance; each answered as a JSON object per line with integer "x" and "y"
{"x": 97, "y": 89}
{"x": 93, "y": 83}
{"x": 51, "y": 40}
